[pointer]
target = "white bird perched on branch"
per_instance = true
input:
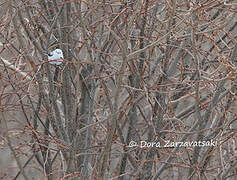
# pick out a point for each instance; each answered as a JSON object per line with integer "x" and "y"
{"x": 55, "y": 57}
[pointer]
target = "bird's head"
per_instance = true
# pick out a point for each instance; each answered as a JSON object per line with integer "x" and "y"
{"x": 58, "y": 51}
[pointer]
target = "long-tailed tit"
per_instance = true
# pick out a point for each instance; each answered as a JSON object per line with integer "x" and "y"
{"x": 55, "y": 57}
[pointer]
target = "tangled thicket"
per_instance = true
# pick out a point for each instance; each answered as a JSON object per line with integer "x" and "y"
{"x": 141, "y": 71}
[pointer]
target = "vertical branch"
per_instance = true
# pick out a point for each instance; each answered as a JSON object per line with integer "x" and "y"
{"x": 114, "y": 116}
{"x": 197, "y": 95}
{"x": 66, "y": 89}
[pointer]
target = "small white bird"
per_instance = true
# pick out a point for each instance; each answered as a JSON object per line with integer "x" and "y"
{"x": 56, "y": 57}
